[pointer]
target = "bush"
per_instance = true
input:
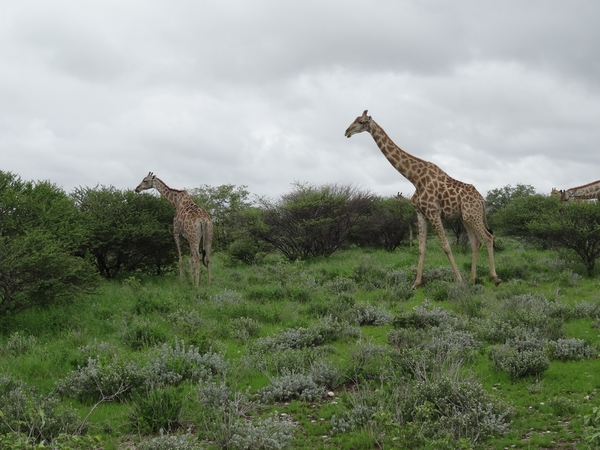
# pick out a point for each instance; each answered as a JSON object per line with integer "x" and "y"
{"x": 371, "y": 315}
{"x": 18, "y": 344}
{"x": 102, "y": 380}
{"x": 156, "y": 409}
{"x": 291, "y": 386}
{"x": 312, "y": 221}
{"x": 519, "y": 363}
{"x": 270, "y": 433}
{"x": 143, "y": 333}
{"x": 570, "y": 350}
{"x": 40, "y": 417}
{"x": 179, "y": 363}
{"x": 166, "y": 441}
{"x": 562, "y": 406}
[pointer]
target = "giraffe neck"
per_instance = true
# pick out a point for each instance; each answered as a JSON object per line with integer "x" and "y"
{"x": 408, "y": 165}
{"x": 171, "y": 195}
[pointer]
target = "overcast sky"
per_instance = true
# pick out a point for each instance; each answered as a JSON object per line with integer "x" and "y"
{"x": 259, "y": 93}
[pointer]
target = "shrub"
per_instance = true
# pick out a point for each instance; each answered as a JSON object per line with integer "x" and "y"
{"x": 156, "y": 409}
{"x": 18, "y": 344}
{"x": 38, "y": 416}
{"x": 270, "y": 433}
{"x": 437, "y": 290}
{"x": 325, "y": 330}
{"x": 340, "y": 285}
{"x": 287, "y": 359}
{"x": 562, "y": 406}
{"x": 244, "y": 328}
{"x": 98, "y": 380}
{"x": 292, "y": 386}
{"x": 424, "y": 317}
{"x": 227, "y": 297}
{"x": 371, "y": 315}
{"x": 142, "y": 333}
{"x": 166, "y": 441}
{"x": 570, "y": 349}
{"x": 519, "y": 363}
{"x": 173, "y": 363}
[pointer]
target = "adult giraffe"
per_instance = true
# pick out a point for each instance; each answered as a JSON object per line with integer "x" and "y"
{"x": 580, "y": 193}
{"x": 190, "y": 221}
{"x": 437, "y": 196}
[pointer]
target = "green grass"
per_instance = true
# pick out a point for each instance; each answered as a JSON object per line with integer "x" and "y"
{"x": 139, "y": 314}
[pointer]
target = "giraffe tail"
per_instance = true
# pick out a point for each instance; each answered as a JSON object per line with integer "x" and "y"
{"x": 204, "y": 258}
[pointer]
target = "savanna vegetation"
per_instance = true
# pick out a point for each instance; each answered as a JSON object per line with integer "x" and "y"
{"x": 309, "y": 336}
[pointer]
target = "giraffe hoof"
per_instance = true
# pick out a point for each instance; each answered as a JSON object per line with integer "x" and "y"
{"x": 497, "y": 281}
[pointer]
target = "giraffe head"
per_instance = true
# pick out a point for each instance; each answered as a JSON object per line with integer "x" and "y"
{"x": 147, "y": 183}
{"x": 362, "y": 123}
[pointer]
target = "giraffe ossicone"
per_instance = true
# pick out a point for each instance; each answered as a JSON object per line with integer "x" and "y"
{"x": 190, "y": 221}
{"x": 437, "y": 196}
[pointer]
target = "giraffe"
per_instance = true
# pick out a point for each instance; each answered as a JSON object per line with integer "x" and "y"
{"x": 437, "y": 196}
{"x": 190, "y": 221}
{"x": 580, "y": 193}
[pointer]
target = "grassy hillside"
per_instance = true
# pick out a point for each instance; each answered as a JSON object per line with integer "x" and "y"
{"x": 336, "y": 352}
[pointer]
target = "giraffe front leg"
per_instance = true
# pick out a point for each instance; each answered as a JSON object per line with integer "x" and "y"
{"x": 422, "y": 236}
{"x": 439, "y": 228}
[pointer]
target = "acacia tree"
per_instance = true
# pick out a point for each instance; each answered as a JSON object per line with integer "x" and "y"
{"x": 573, "y": 226}
{"x": 387, "y": 225}
{"x": 312, "y": 221}
{"x": 126, "y": 231}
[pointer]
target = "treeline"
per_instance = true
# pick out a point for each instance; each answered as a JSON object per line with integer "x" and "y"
{"x": 55, "y": 245}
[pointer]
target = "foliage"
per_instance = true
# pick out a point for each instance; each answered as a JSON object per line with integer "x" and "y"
{"x": 574, "y": 226}
{"x": 570, "y": 349}
{"x": 126, "y": 231}
{"x": 156, "y": 409}
{"x": 312, "y": 221}
{"x": 386, "y": 226}
{"x": 166, "y": 441}
{"x": 223, "y": 419}
{"x": 40, "y": 236}
{"x": 39, "y": 416}
{"x": 499, "y": 198}
{"x": 226, "y": 205}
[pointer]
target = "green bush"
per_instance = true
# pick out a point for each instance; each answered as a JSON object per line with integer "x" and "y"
{"x": 156, "y": 409}
{"x": 41, "y": 417}
{"x": 519, "y": 363}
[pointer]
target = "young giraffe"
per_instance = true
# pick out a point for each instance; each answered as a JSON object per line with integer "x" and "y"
{"x": 437, "y": 196}
{"x": 580, "y": 193}
{"x": 190, "y": 221}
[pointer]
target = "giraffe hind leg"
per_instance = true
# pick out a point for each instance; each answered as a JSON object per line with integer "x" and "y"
{"x": 475, "y": 246}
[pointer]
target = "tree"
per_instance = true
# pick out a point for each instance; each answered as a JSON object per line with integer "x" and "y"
{"x": 226, "y": 205}
{"x": 313, "y": 221}
{"x": 574, "y": 226}
{"x": 497, "y": 199}
{"x": 126, "y": 231}
{"x": 40, "y": 236}
{"x": 387, "y": 225}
